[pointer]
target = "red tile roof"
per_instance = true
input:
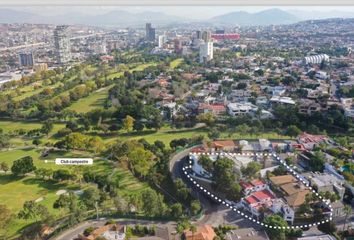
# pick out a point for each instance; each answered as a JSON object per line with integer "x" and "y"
{"x": 308, "y": 138}
{"x": 262, "y": 195}
{"x": 257, "y": 182}
{"x": 246, "y": 185}
{"x": 251, "y": 199}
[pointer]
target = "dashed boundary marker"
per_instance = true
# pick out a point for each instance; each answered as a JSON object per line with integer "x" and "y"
{"x": 289, "y": 169}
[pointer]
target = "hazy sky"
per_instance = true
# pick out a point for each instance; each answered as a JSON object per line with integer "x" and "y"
{"x": 191, "y": 12}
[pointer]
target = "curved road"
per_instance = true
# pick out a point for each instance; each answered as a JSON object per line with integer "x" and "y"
{"x": 214, "y": 213}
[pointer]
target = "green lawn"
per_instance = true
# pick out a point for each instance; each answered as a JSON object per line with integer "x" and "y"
{"x": 30, "y": 188}
{"x": 31, "y": 91}
{"x": 8, "y": 126}
{"x": 93, "y": 101}
{"x": 167, "y": 134}
{"x": 12, "y": 155}
{"x": 175, "y": 63}
{"x": 140, "y": 67}
{"x": 97, "y": 98}
{"x": 14, "y": 191}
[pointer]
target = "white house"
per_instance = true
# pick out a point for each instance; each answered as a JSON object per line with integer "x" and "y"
{"x": 239, "y": 109}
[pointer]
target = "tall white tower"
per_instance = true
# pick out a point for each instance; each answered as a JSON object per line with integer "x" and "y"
{"x": 62, "y": 44}
{"x": 206, "y": 52}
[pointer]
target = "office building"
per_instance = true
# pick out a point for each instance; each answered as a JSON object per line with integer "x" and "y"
{"x": 161, "y": 41}
{"x": 316, "y": 59}
{"x": 206, "y": 36}
{"x": 62, "y": 44}
{"x": 199, "y": 34}
{"x": 220, "y": 31}
{"x": 40, "y": 67}
{"x": 206, "y": 52}
{"x": 26, "y": 59}
{"x": 178, "y": 45}
{"x": 150, "y": 33}
{"x": 227, "y": 36}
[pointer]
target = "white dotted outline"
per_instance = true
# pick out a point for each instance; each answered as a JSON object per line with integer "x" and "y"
{"x": 289, "y": 169}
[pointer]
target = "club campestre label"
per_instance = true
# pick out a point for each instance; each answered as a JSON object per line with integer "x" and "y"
{"x": 74, "y": 161}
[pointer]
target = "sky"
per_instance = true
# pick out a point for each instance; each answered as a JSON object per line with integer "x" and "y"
{"x": 190, "y": 12}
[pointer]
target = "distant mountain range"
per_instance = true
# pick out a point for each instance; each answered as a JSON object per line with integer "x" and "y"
{"x": 127, "y": 19}
{"x": 114, "y": 18}
{"x": 272, "y": 16}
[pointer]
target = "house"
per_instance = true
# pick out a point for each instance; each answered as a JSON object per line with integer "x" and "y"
{"x": 337, "y": 209}
{"x": 321, "y": 75}
{"x": 239, "y": 161}
{"x": 253, "y": 186}
{"x": 223, "y": 145}
{"x": 246, "y": 234}
{"x": 284, "y": 179}
{"x": 109, "y": 232}
{"x": 282, "y": 100}
{"x": 293, "y": 190}
{"x": 216, "y": 109}
{"x": 205, "y": 232}
{"x": 266, "y": 201}
{"x": 310, "y": 141}
{"x": 258, "y": 200}
{"x": 317, "y": 237}
{"x": 326, "y": 182}
{"x": 278, "y": 91}
{"x": 348, "y": 106}
{"x": 308, "y": 107}
{"x": 240, "y": 109}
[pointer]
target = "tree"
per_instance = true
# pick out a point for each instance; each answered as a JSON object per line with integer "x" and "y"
{"x": 176, "y": 210}
{"x": 252, "y": 169}
{"x": 36, "y": 142}
{"x": 63, "y": 201}
{"x": 207, "y": 118}
{"x": 23, "y": 165}
{"x": 242, "y": 129}
{"x": 195, "y": 207}
{"x": 138, "y": 126}
{"x": 206, "y": 163}
{"x": 5, "y": 216}
{"x": 348, "y": 211}
{"x": 213, "y": 133}
{"x": 121, "y": 205}
{"x": 317, "y": 161}
{"x": 292, "y": 131}
{"x": 152, "y": 203}
{"x": 4, "y": 167}
{"x": 33, "y": 210}
{"x": 90, "y": 197}
{"x": 182, "y": 190}
{"x": 160, "y": 145}
{"x": 276, "y": 233}
{"x": 128, "y": 123}
{"x": 328, "y": 227}
{"x": 63, "y": 175}
{"x": 88, "y": 231}
{"x": 47, "y": 127}
{"x": 224, "y": 178}
{"x": 140, "y": 161}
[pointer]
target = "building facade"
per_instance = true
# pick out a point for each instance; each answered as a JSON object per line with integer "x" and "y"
{"x": 62, "y": 44}
{"x": 26, "y": 59}
{"x": 206, "y": 52}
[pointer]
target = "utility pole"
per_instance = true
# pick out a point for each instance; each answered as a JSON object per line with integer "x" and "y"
{"x": 96, "y": 206}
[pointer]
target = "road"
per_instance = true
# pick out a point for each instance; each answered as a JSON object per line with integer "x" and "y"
{"x": 214, "y": 213}
{"x": 72, "y": 233}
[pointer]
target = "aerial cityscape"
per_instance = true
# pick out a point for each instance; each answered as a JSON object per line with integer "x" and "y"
{"x": 154, "y": 123}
